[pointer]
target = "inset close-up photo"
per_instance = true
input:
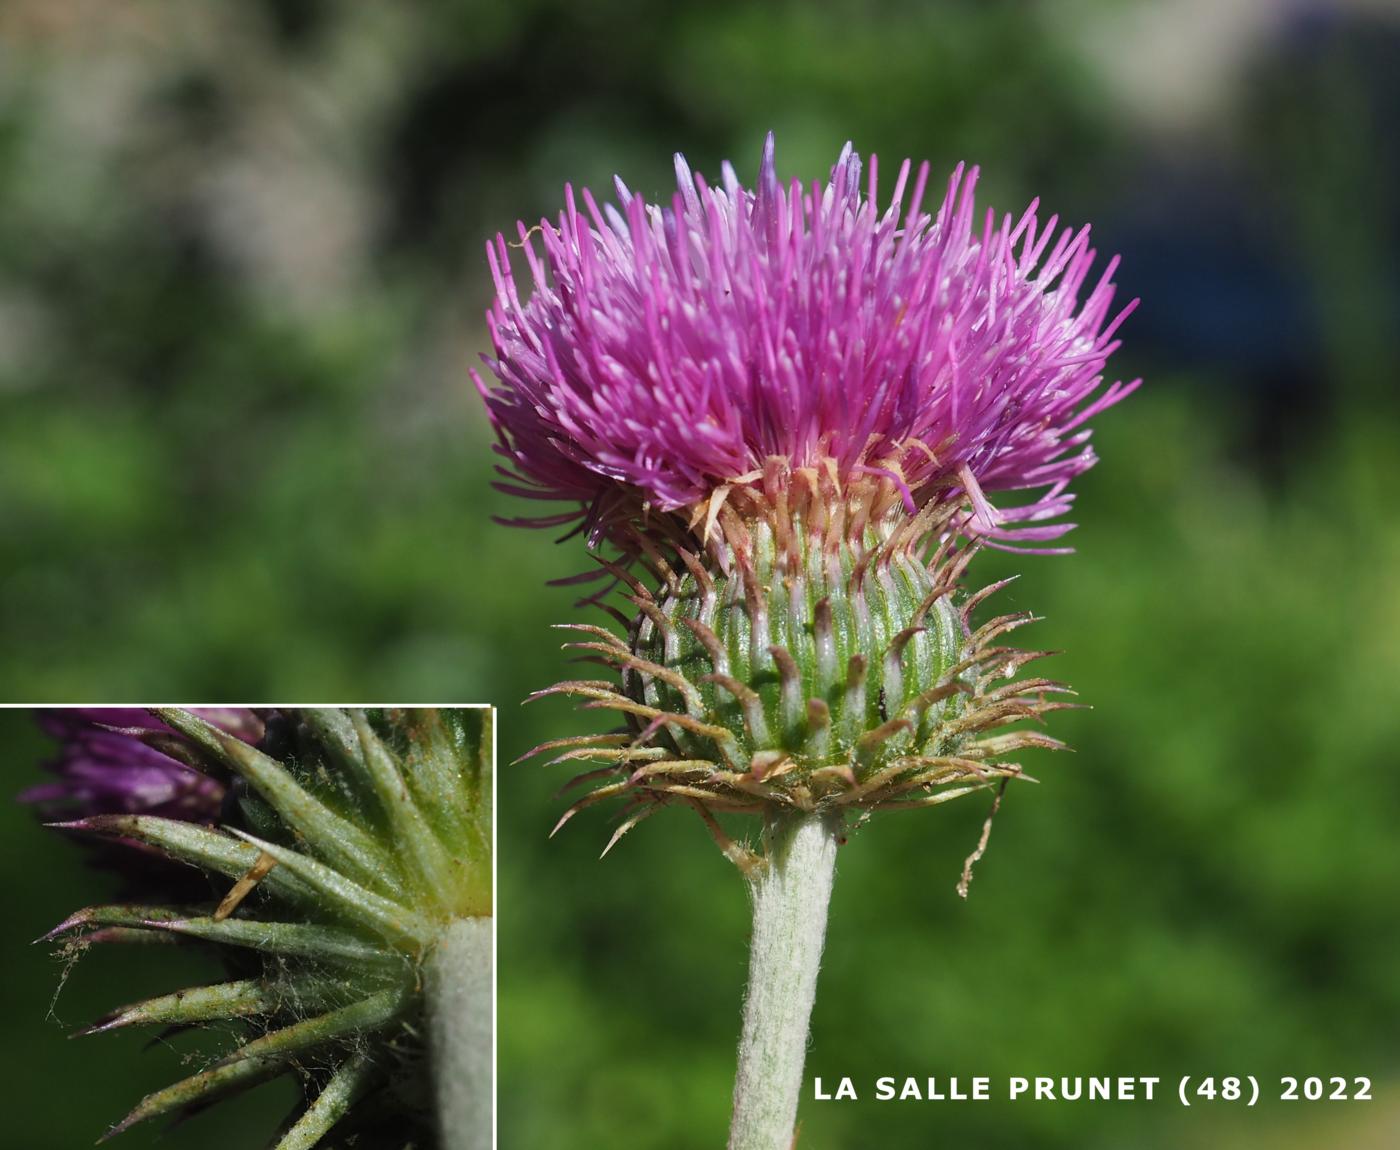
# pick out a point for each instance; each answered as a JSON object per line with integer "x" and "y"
{"x": 312, "y": 888}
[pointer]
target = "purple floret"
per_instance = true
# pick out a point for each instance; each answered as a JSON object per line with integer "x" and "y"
{"x": 101, "y": 769}
{"x": 666, "y": 351}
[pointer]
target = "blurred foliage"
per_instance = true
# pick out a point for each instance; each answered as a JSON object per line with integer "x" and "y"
{"x": 240, "y": 285}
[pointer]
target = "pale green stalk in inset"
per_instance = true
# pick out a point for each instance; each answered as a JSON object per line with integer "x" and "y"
{"x": 460, "y": 1002}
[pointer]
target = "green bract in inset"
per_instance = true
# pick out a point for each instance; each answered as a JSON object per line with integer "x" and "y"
{"x": 359, "y": 845}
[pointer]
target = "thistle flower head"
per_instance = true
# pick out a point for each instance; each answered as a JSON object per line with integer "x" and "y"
{"x": 105, "y": 764}
{"x": 788, "y": 406}
{"x": 670, "y": 356}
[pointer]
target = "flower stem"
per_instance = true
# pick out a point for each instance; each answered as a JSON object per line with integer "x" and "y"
{"x": 791, "y": 890}
{"x": 461, "y": 1033}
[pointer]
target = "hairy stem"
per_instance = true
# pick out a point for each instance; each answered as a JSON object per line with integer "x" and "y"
{"x": 460, "y": 977}
{"x": 791, "y": 890}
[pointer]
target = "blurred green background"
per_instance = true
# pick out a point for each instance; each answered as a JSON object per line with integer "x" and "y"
{"x": 241, "y": 283}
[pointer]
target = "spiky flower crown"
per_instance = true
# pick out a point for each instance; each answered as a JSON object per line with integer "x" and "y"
{"x": 668, "y": 350}
{"x": 349, "y": 842}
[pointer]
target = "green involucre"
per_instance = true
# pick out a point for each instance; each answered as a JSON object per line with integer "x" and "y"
{"x": 802, "y": 672}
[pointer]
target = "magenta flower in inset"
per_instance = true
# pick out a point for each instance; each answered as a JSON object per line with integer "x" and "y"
{"x": 103, "y": 766}
{"x": 668, "y": 352}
